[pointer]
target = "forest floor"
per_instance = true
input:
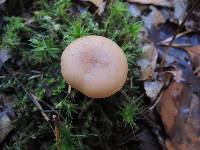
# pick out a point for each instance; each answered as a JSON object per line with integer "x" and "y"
{"x": 160, "y": 96}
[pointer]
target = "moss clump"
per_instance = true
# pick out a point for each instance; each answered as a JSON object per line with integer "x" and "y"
{"x": 36, "y": 46}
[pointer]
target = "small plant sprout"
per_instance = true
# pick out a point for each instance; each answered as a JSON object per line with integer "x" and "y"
{"x": 94, "y": 65}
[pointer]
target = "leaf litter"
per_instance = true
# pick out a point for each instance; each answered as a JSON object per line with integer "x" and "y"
{"x": 174, "y": 87}
{"x": 195, "y": 54}
{"x": 148, "y": 62}
{"x": 2, "y": 1}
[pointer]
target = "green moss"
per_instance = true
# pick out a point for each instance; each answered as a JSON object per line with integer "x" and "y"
{"x": 70, "y": 141}
{"x": 67, "y": 107}
{"x": 60, "y": 86}
{"x": 44, "y": 49}
{"x": 76, "y": 30}
{"x": 11, "y": 38}
{"x": 130, "y": 111}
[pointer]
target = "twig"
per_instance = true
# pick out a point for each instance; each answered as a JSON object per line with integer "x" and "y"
{"x": 52, "y": 109}
{"x": 37, "y": 104}
{"x": 177, "y": 45}
{"x": 197, "y": 70}
{"x": 31, "y": 96}
{"x": 84, "y": 109}
{"x": 156, "y": 102}
{"x": 196, "y": 4}
{"x": 57, "y": 131}
{"x": 125, "y": 94}
{"x": 166, "y": 41}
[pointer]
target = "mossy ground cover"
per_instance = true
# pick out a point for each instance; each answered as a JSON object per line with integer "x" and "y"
{"x": 35, "y": 36}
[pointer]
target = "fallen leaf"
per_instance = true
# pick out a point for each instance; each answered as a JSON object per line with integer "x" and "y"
{"x": 195, "y": 54}
{"x": 5, "y": 125}
{"x": 180, "y": 8}
{"x": 147, "y": 141}
{"x": 98, "y": 3}
{"x": 6, "y": 115}
{"x": 153, "y": 88}
{"x": 2, "y": 1}
{"x": 179, "y": 109}
{"x": 166, "y": 3}
{"x": 148, "y": 62}
{"x": 155, "y": 18}
{"x": 134, "y": 10}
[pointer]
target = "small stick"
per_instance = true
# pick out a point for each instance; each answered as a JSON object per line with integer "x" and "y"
{"x": 57, "y": 131}
{"x": 31, "y": 96}
{"x": 166, "y": 41}
{"x": 37, "y": 104}
{"x": 52, "y": 109}
{"x": 177, "y": 45}
{"x": 196, "y": 4}
{"x": 197, "y": 70}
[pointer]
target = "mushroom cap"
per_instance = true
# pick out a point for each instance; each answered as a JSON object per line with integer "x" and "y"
{"x": 94, "y": 65}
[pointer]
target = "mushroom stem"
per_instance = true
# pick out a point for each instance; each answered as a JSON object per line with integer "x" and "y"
{"x": 69, "y": 89}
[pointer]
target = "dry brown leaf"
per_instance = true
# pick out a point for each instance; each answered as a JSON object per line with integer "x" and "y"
{"x": 147, "y": 62}
{"x": 195, "y": 54}
{"x": 177, "y": 75}
{"x": 100, "y": 4}
{"x": 179, "y": 109}
{"x": 166, "y": 3}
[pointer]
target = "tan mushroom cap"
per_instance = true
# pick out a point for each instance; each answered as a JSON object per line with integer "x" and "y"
{"x": 94, "y": 65}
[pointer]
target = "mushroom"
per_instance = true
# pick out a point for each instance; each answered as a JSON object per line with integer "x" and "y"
{"x": 94, "y": 65}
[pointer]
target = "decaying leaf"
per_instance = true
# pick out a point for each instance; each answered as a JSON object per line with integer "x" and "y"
{"x": 147, "y": 62}
{"x": 2, "y": 1}
{"x": 147, "y": 141}
{"x": 166, "y": 3}
{"x": 155, "y": 18}
{"x": 179, "y": 110}
{"x": 195, "y": 54}
{"x": 100, "y": 4}
{"x": 177, "y": 75}
{"x": 5, "y": 125}
{"x": 153, "y": 88}
{"x": 180, "y": 8}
